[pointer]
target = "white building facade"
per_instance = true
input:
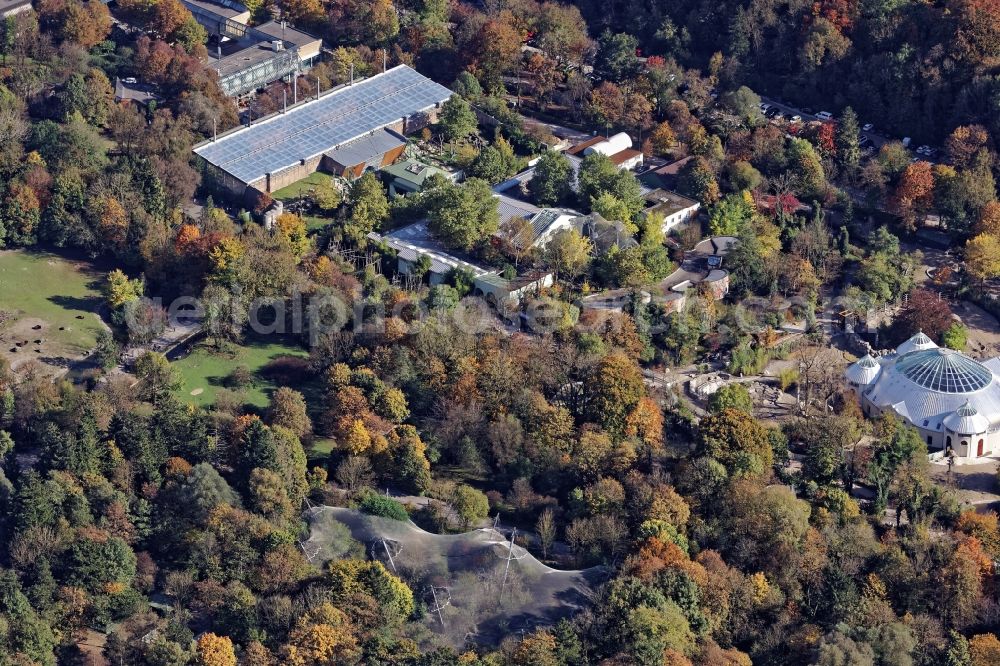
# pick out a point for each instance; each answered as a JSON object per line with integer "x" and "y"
{"x": 952, "y": 399}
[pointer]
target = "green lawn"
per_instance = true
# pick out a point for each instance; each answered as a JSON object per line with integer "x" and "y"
{"x": 302, "y": 187}
{"x": 315, "y": 222}
{"x": 299, "y": 190}
{"x": 60, "y": 295}
{"x": 320, "y": 449}
{"x": 204, "y": 371}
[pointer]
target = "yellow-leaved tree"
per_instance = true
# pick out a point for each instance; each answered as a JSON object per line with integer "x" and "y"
{"x": 215, "y": 650}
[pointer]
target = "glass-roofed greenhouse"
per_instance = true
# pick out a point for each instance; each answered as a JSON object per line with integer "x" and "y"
{"x": 291, "y": 144}
{"x": 952, "y": 399}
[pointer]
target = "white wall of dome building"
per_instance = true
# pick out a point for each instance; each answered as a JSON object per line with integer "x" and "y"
{"x": 950, "y": 398}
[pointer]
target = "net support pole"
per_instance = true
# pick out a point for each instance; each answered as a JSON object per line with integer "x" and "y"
{"x": 506, "y": 569}
{"x": 437, "y": 607}
{"x": 389, "y": 555}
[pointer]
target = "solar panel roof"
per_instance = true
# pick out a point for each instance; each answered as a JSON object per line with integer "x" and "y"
{"x": 318, "y": 126}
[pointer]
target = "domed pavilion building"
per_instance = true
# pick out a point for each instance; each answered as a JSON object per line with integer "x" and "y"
{"x": 953, "y": 400}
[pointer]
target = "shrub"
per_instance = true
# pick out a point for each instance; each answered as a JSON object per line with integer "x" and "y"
{"x": 240, "y": 377}
{"x": 788, "y": 377}
{"x": 379, "y": 505}
{"x": 287, "y": 370}
{"x": 955, "y": 336}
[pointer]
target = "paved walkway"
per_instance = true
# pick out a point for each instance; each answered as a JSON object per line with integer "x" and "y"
{"x": 975, "y": 482}
{"x": 984, "y": 329}
{"x": 173, "y": 335}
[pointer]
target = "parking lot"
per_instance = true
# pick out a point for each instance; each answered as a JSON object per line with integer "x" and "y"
{"x": 876, "y": 139}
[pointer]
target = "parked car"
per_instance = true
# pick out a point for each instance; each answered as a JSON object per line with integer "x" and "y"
{"x": 824, "y": 115}
{"x": 906, "y": 141}
{"x": 772, "y": 112}
{"x": 867, "y": 127}
{"x": 795, "y": 119}
{"x": 865, "y": 141}
{"x": 129, "y": 79}
{"x": 764, "y": 107}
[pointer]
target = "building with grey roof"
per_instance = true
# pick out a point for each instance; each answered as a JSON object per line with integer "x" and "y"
{"x": 250, "y": 57}
{"x": 223, "y": 18}
{"x": 135, "y": 93}
{"x": 371, "y": 151}
{"x": 261, "y": 55}
{"x": 541, "y": 227}
{"x": 416, "y": 240}
{"x": 675, "y": 208}
{"x": 287, "y": 146}
{"x": 308, "y": 46}
{"x": 950, "y": 398}
{"x": 508, "y": 207}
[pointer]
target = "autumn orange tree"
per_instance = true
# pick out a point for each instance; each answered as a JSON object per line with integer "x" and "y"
{"x": 964, "y": 142}
{"x": 215, "y": 650}
{"x": 915, "y": 192}
{"x": 978, "y": 35}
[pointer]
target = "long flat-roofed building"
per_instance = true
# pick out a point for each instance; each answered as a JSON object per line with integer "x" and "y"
{"x": 250, "y": 57}
{"x": 220, "y": 17}
{"x": 263, "y": 54}
{"x": 326, "y": 132}
{"x": 254, "y": 66}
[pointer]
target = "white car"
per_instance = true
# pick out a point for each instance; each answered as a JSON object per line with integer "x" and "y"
{"x": 764, "y": 107}
{"x": 795, "y": 119}
{"x": 824, "y": 115}
{"x": 129, "y": 79}
{"x": 924, "y": 150}
{"x": 867, "y": 127}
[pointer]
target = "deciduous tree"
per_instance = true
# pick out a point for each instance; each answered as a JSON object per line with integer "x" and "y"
{"x": 215, "y": 650}
{"x": 552, "y": 183}
{"x": 612, "y": 391}
{"x": 982, "y": 256}
{"x": 738, "y": 441}
{"x": 915, "y": 191}
{"x": 462, "y": 215}
{"x": 457, "y": 119}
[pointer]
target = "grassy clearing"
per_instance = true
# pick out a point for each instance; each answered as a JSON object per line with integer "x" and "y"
{"x": 301, "y": 188}
{"x": 316, "y": 222}
{"x": 207, "y": 369}
{"x": 60, "y": 295}
{"x": 319, "y": 450}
